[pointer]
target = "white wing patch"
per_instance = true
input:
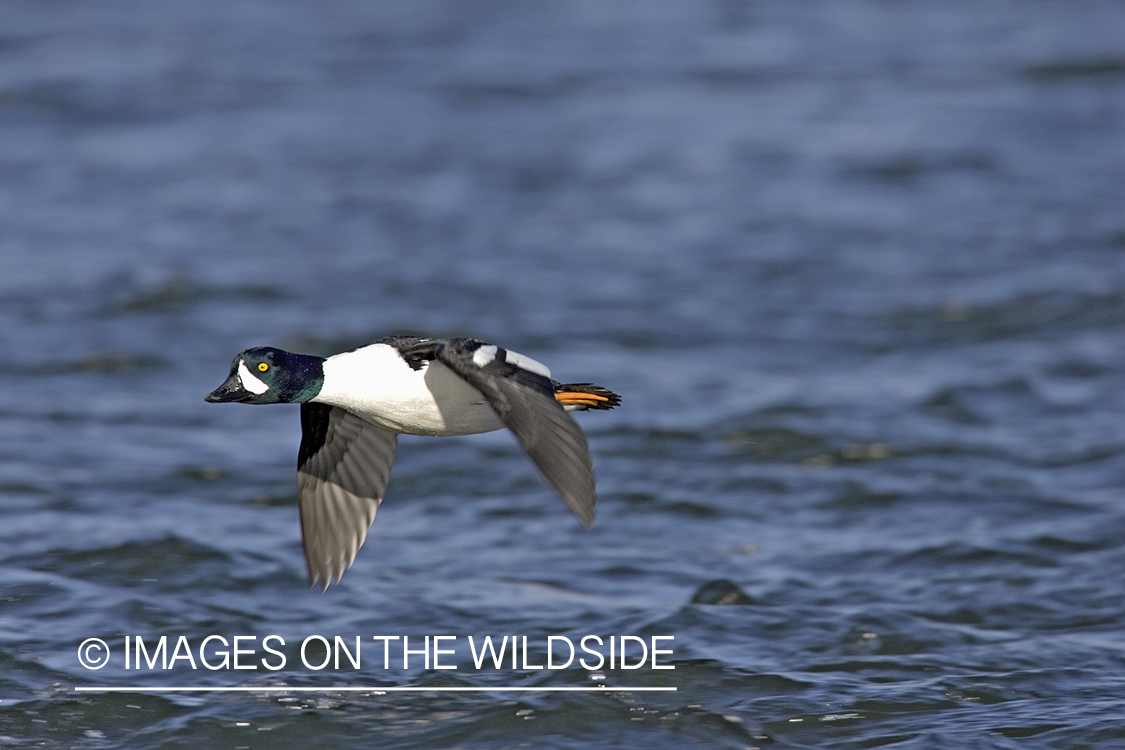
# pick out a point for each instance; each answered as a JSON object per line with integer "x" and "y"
{"x": 484, "y": 355}
{"x": 249, "y": 380}
{"x": 523, "y": 361}
{"x": 487, "y": 352}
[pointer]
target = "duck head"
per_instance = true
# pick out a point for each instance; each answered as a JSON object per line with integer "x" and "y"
{"x": 265, "y": 375}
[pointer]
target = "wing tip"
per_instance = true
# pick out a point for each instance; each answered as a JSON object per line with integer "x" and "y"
{"x": 584, "y": 509}
{"x": 322, "y": 581}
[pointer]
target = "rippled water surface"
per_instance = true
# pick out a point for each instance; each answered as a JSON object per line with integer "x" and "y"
{"x": 858, "y": 270}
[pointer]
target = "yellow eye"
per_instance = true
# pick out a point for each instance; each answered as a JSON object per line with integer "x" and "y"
{"x": 262, "y": 367}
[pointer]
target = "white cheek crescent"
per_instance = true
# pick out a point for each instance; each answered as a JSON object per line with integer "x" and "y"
{"x": 250, "y": 381}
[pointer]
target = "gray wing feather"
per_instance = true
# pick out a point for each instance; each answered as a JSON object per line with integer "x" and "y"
{"x": 340, "y": 484}
{"x": 528, "y": 408}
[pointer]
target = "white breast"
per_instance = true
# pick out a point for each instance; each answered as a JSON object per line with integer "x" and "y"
{"x": 377, "y": 384}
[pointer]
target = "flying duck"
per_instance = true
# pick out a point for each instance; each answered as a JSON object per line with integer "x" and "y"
{"x": 355, "y": 404}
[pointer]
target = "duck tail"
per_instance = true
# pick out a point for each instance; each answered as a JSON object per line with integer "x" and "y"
{"x": 583, "y": 396}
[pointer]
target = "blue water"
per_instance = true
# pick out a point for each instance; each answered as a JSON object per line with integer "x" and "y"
{"x": 857, "y": 270}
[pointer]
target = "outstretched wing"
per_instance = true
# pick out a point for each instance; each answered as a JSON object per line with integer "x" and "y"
{"x": 520, "y": 391}
{"x": 342, "y": 472}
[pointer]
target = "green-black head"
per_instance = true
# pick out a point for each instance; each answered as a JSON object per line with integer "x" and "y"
{"x": 265, "y": 375}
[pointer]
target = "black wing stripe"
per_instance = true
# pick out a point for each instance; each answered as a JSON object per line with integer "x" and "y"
{"x": 344, "y": 469}
{"x": 526, "y": 405}
{"x": 314, "y": 430}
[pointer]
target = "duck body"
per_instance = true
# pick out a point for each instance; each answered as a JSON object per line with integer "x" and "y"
{"x": 378, "y": 384}
{"x": 356, "y": 403}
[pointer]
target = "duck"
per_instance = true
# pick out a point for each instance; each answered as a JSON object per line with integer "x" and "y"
{"x": 355, "y": 404}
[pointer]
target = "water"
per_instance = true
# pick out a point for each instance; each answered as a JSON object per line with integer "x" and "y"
{"x": 857, "y": 269}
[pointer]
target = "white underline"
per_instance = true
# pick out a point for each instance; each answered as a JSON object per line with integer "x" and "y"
{"x": 283, "y": 689}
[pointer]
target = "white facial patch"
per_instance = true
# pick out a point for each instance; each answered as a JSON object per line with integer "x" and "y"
{"x": 484, "y": 355}
{"x": 249, "y": 380}
{"x": 527, "y": 363}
